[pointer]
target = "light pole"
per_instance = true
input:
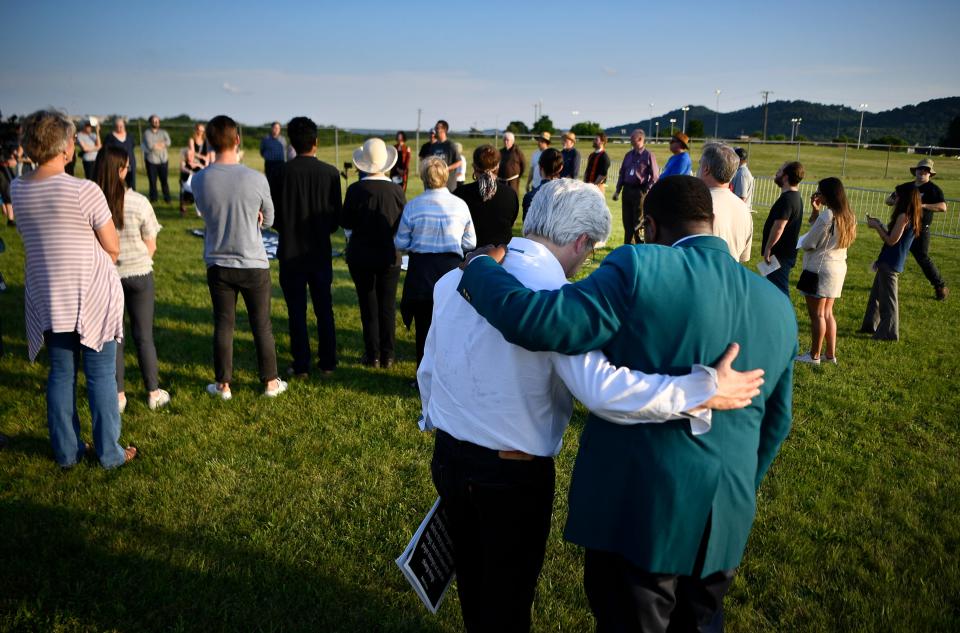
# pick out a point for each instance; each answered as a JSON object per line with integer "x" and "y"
{"x": 684, "y": 127}
{"x": 799, "y": 121}
{"x": 650, "y": 121}
{"x": 672, "y": 121}
{"x": 863, "y": 108}
{"x": 793, "y": 126}
{"x": 657, "y": 136}
{"x": 716, "y": 120}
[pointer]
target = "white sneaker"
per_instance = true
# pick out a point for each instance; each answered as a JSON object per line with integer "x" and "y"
{"x": 827, "y": 359}
{"x": 162, "y": 400}
{"x": 806, "y": 358}
{"x": 276, "y": 391}
{"x": 222, "y": 394}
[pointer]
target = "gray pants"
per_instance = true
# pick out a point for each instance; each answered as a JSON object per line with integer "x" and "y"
{"x": 138, "y": 297}
{"x": 882, "y": 318}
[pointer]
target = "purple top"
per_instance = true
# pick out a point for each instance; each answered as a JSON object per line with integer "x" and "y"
{"x": 639, "y": 169}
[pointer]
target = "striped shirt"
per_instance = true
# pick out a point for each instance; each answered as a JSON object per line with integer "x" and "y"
{"x": 436, "y": 221}
{"x": 139, "y": 223}
{"x": 71, "y": 284}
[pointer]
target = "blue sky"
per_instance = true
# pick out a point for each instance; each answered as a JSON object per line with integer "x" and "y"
{"x": 374, "y": 64}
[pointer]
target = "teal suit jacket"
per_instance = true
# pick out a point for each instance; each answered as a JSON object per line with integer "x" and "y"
{"x": 648, "y": 491}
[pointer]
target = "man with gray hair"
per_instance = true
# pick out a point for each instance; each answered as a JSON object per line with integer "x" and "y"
{"x": 500, "y": 411}
{"x": 512, "y": 163}
{"x": 731, "y": 217}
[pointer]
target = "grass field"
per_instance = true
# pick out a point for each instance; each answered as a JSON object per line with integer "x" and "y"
{"x": 286, "y": 515}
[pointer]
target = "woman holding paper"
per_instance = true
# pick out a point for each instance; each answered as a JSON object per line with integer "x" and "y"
{"x": 882, "y": 318}
{"x": 833, "y": 229}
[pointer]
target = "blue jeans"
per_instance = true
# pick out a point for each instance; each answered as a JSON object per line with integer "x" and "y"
{"x": 781, "y": 277}
{"x": 100, "y": 368}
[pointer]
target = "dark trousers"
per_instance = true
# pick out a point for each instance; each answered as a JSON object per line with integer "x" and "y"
{"x": 624, "y": 597}
{"x": 422, "y": 318}
{"x": 131, "y": 177}
{"x": 921, "y": 252}
{"x": 499, "y": 512}
{"x": 882, "y": 317}
{"x": 138, "y": 297}
{"x": 273, "y": 169}
{"x": 377, "y": 296}
{"x": 89, "y": 169}
{"x": 632, "y": 214}
{"x": 254, "y": 285}
{"x": 781, "y": 277}
{"x": 153, "y": 173}
{"x": 294, "y": 283}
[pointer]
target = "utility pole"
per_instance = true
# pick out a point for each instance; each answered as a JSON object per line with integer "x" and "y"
{"x": 766, "y": 95}
{"x": 863, "y": 108}
{"x": 716, "y": 120}
{"x": 419, "y": 112}
{"x": 684, "y": 126}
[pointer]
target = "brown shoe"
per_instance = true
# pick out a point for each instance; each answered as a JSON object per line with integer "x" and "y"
{"x": 942, "y": 293}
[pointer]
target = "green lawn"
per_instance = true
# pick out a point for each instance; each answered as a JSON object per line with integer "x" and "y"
{"x": 287, "y": 514}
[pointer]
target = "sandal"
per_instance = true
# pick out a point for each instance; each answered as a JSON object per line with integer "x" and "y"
{"x": 130, "y": 453}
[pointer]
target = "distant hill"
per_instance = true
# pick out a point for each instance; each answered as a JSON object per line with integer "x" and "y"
{"x": 923, "y": 124}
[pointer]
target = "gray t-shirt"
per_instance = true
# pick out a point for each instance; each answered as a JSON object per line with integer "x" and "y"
{"x": 151, "y": 153}
{"x": 229, "y": 198}
{"x": 742, "y": 185}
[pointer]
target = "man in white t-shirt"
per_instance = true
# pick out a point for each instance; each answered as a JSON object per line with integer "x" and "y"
{"x": 500, "y": 411}
{"x": 731, "y": 217}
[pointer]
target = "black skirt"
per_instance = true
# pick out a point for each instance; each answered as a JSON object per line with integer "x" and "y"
{"x": 423, "y": 272}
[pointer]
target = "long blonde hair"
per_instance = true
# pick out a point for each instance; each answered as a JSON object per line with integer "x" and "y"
{"x": 845, "y": 221}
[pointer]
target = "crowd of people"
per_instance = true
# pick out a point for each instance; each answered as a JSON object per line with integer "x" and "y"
{"x": 646, "y": 341}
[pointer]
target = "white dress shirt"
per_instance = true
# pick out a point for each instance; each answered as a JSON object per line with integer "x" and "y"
{"x": 481, "y": 389}
{"x": 732, "y": 222}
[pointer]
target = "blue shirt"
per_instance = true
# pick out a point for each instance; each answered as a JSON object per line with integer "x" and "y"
{"x": 436, "y": 221}
{"x": 896, "y": 256}
{"x": 678, "y": 165}
{"x": 273, "y": 149}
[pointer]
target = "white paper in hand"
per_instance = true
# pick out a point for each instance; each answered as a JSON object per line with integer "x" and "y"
{"x": 765, "y": 269}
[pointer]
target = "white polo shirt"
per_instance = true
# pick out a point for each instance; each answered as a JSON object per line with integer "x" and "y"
{"x": 481, "y": 389}
{"x": 732, "y": 222}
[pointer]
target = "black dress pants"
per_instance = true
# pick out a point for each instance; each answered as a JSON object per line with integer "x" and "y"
{"x": 155, "y": 172}
{"x": 294, "y": 282}
{"x": 499, "y": 513}
{"x": 632, "y": 214}
{"x": 138, "y": 297}
{"x": 921, "y": 252}
{"x": 625, "y": 598}
{"x": 89, "y": 169}
{"x": 377, "y": 296}
{"x": 254, "y": 284}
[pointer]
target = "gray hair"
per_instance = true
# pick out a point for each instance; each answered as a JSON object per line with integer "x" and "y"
{"x": 565, "y": 209}
{"x": 721, "y": 160}
{"x": 46, "y": 134}
{"x": 509, "y": 135}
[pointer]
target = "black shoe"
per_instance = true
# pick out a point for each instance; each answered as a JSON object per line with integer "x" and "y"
{"x": 299, "y": 375}
{"x": 386, "y": 362}
{"x": 942, "y": 293}
{"x": 370, "y": 362}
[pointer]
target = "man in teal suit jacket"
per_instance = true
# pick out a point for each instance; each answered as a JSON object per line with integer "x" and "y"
{"x": 664, "y": 514}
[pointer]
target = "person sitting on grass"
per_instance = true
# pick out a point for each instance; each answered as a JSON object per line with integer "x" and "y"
{"x": 882, "y": 318}
{"x": 234, "y": 202}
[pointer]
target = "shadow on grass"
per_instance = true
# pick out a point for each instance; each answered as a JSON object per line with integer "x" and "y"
{"x": 122, "y": 574}
{"x": 29, "y": 445}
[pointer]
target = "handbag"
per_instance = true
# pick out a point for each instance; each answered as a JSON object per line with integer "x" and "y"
{"x": 809, "y": 281}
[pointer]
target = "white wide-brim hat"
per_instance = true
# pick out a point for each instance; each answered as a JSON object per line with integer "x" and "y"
{"x": 374, "y": 157}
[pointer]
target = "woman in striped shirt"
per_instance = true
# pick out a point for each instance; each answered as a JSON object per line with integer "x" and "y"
{"x": 137, "y": 225}
{"x": 437, "y": 230}
{"x": 73, "y": 298}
